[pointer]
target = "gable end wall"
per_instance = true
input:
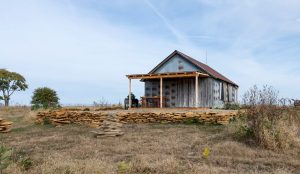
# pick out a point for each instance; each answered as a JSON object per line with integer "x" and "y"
{"x": 177, "y": 64}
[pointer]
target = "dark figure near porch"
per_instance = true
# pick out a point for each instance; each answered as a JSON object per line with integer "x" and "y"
{"x": 297, "y": 103}
{"x": 134, "y": 102}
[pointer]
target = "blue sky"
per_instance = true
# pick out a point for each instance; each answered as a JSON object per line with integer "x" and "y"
{"x": 84, "y": 48}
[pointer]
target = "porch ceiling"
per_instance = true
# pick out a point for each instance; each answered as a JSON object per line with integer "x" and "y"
{"x": 167, "y": 75}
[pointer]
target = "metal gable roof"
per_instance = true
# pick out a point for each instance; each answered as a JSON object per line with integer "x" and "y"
{"x": 198, "y": 64}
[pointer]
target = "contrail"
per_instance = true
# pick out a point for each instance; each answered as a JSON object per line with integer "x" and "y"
{"x": 175, "y": 32}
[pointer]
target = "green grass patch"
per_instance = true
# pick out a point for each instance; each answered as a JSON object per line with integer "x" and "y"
{"x": 211, "y": 128}
{"x": 30, "y": 127}
{"x": 16, "y": 119}
{"x": 23, "y": 129}
{"x": 193, "y": 121}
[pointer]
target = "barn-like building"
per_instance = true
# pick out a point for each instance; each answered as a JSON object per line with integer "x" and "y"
{"x": 180, "y": 81}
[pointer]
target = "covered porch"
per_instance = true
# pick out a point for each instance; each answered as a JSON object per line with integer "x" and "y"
{"x": 182, "y": 83}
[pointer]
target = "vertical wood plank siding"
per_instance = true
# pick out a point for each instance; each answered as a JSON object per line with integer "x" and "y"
{"x": 181, "y": 92}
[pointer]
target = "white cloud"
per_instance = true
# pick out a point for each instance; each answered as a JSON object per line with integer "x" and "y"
{"x": 85, "y": 56}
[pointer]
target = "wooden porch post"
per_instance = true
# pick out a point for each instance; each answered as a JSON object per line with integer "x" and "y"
{"x": 161, "y": 92}
{"x": 196, "y": 90}
{"x": 129, "y": 96}
{"x": 237, "y": 95}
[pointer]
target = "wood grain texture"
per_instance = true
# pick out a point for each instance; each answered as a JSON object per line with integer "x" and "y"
{"x": 180, "y": 92}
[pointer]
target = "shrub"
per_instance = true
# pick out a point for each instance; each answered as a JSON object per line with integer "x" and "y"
{"x": 26, "y": 163}
{"x": 86, "y": 109}
{"x": 192, "y": 121}
{"x": 101, "y": 103}
{"x": 46, "y": 121}
{"x": 265, "y": 96}
{"x": 244, "y": 132}
{"x": 44, "y": 98}
{"x": 268, "y": 124}
{"x": 232, "y": 106}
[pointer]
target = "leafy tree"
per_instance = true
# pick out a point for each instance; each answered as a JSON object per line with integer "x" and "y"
{"x": 44, "y": 98}
{"x": 10, "y": 82}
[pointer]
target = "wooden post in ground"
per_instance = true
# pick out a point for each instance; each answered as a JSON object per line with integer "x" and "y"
{"x": 161, "y": 92}
{"x": 129, "y": 96}
{"x": 196, "y": 90}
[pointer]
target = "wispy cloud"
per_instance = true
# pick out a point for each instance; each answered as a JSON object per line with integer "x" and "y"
{"x": 199, "y": 36}
{"x": 179, "y": 36}
{"x": 74, "y": 45}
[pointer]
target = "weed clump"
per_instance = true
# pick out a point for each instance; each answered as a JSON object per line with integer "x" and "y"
{"x": 123, "y": 167}
{"x": 267, "y": 123}
{"x": 232, "y": 106}
{"x": 47, "y": 121}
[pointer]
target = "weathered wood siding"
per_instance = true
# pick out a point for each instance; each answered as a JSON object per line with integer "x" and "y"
{"x": 181, "y": 92}
{"x": 224, "y": 93}
{"x": 206, "y": 92}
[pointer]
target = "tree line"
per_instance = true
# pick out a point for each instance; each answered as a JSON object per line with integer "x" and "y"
{"x": 11, "y": 82}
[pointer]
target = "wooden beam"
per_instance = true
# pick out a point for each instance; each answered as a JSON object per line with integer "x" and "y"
{"x": 196, "y": 90}
{"x": 129, "y": 96}
{"x": 166, "y": 75}
{"x": 161, "y": 92}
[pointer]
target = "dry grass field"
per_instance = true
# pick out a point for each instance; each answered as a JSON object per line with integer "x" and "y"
{"x": 144, "y": 148}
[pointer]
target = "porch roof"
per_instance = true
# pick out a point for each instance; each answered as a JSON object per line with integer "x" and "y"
{"x": 167, "y": 75}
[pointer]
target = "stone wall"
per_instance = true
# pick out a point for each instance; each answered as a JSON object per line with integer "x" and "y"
{"x": 95, "y": 119}
{"x": 61, "y": 117}
{"x": 171, "y": 117}
{"x": 5, "y": 126}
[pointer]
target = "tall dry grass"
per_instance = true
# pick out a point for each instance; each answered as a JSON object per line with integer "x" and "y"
{"x": 267, "y": 123}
